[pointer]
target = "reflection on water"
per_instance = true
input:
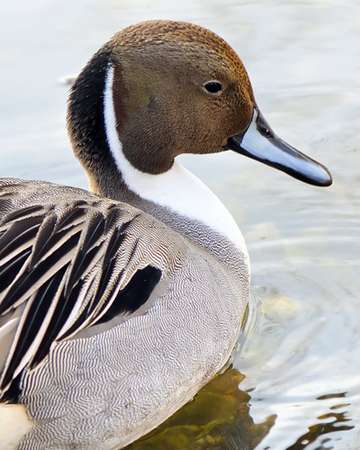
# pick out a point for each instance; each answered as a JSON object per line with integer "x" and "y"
{"x": 299, "y": 386}
{"x": 328, "y": 423}
{"x": 218, "y": 418}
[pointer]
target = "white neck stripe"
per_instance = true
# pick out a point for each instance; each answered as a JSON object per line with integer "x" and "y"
{"x": 177, "y": 189}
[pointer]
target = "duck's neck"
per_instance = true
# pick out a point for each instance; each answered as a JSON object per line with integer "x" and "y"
{"x": 177, "y": 190}
{"x": 176, "y": 197}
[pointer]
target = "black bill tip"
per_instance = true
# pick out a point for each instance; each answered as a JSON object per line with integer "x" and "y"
{"x": 259, "y": 142}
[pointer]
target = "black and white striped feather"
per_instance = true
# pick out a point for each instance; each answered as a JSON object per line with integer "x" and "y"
{"x": 69, "y": 261}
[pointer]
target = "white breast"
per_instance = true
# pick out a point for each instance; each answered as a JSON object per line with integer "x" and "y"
{"x": 177, "y": 189}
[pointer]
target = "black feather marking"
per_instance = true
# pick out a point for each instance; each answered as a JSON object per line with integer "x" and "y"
{"x": 8, "y": 244}
{"x": 80, "y": 203}
{"x": 33, "y": 321}
{"x": 72, "y": 215}
{"x": 28, "y": 278}
{"x": 70, "y": 296}
{"x": 59, "y": 317}
{"x": 51, "y": 243}
{"x": 45, "y": 232}
{"x": 115, "y": 242}
{"x": 85, "y": 254}
{"x": 13, "y": 392}
{"x": 133, "y": 250}
{"x": 105, "y": 278}
{"x": 95, "y": 230}
{"x": 109, "y": 261}
{"x": 108, "y": 265}
{"x": 16, "y": 228}
{"x": 135, "y": 293}
{"x": 8, "y": 273}
{"x": 112, "y": 217}
{"x": 80, "y": 267}
{"x": 85, "y": 313}
{"x": 109, "y": 295}
{"x": 22, "y": 212}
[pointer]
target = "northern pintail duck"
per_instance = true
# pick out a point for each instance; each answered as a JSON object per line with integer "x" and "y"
{"x": 119, "y": 304}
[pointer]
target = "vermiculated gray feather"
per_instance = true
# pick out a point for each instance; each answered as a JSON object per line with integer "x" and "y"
{"x": 84, "y": 379}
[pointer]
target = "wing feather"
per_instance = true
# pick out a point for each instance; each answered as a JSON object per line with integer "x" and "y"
{"x": 68, "y": 261}
{"x": 33, "y": 323}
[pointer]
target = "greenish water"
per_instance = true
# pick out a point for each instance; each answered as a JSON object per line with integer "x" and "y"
{"x": 296, "y": 378}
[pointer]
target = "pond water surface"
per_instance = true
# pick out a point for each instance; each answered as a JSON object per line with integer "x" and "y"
{"x": 295, "y": 383}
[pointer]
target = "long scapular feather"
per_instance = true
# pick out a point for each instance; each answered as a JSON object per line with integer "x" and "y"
{"x": 64, "y": 268}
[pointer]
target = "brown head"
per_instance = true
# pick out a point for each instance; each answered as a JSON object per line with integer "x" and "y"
{"x": 180, "y": 84}
{"x": 176, "y": 88}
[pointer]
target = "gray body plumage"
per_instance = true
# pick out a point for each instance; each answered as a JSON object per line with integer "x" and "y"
{"x": 108, "y": 384}
{"x": 116, "y": 308}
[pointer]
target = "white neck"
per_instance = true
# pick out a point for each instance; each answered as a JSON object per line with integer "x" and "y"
{"x": 177, "y": 189}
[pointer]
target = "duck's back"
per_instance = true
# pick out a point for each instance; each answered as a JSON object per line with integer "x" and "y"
{"x": 111, "y": 320}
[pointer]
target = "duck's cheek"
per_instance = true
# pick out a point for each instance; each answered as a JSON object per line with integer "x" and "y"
{"x": 245, "y": 114}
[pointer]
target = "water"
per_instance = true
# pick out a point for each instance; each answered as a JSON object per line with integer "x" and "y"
{"x": 296, "y": 378}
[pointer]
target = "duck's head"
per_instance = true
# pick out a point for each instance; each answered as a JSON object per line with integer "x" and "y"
{"x": 175, "y": 88}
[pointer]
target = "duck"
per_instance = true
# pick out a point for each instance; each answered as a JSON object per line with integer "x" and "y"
{"x": 119, "y": 303}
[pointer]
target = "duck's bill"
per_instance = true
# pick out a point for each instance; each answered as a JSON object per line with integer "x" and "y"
{"x": 259, "y": 142}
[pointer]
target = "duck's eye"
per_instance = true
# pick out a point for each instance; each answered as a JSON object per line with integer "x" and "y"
{"x": 213, "y": 87}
